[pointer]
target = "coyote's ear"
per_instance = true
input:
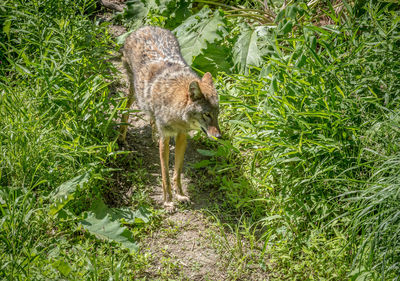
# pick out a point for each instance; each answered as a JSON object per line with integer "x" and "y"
{"x": 207, "y": 78}
{"x": 194, "y": 91}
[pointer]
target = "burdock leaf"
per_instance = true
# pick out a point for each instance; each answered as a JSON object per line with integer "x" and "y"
{"x": 65, "y": 193}
{"x": 105, "y": 223}
{"x": 194, "y": 33}
{"x": 245, "y": 50}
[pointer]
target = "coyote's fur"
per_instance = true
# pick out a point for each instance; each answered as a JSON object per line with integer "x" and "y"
{"x": 174, "y": 97}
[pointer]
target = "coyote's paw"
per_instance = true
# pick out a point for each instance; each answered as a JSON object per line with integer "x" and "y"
{"x": 182, "y": 198}
{"x": 169, "y": 207}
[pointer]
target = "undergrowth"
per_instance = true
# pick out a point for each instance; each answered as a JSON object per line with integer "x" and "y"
{"x": 57, "y": 135}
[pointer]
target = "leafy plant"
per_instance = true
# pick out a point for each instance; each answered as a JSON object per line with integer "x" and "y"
{"x": 105, "y": 223}
{"x": 198, "y": 30}
{"x": 153, "y": 12}
{"x": 246, "y": 51}
{"x": 65, "y": 193}
{"x": 203, "y": 37}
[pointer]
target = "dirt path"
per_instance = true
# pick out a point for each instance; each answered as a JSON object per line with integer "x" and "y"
{"x": 182, "y": 247}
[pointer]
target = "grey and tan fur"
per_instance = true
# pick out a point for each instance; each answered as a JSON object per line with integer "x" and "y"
{"x": 173, "y": 95}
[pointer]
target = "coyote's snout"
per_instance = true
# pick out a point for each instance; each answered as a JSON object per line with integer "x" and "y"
{"x": 176, "y": 98}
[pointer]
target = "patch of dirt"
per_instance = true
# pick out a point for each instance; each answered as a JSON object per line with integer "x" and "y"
{"x": 180, "y": 248}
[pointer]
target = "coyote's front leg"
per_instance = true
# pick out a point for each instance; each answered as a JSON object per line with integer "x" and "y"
{"x": 164, "y": 157}
{"x": 180, "y": 147}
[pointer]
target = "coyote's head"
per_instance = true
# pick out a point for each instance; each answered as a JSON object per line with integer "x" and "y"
{"x": 203, "y": 110}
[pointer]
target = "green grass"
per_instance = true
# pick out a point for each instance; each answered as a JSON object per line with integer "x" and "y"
{"x": 57, "y": 121}
{"x": 310, "y": 127}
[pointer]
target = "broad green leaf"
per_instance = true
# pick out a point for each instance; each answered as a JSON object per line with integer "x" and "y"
{"x": 280, "y": 16}
{"x": 214, "y": 58}
{"x": 206, "y": 152}
{"x": 107, "y": 229}
{"x": 273, "y": 86}
{"x": 246, "y": 51}
{"x": 301, "y": 61}
{"x": 201, "y": 164}
{"x": 265, "y": 71}
{"x": 194, "y": 33}
{"x": 291, "y": 11}
{"x": 175, "y": 11}
{"x": 312, "y": 42}
{"x": 136, "y": 9}
{"x": 65, "y": 193}
{"x": 105, "y": 223}
{"x": 130, "y": 216}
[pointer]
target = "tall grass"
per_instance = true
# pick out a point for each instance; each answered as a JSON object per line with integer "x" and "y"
{"x": 55, "y": 105}
{"x": 56, "y": 121}
{"x": 312, "y": 120}
{"x": 375, "y": 218}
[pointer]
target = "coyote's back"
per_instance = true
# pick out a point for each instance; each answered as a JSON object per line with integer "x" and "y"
{"x": 154, "y": 58}
{"x": 152, "y": 44}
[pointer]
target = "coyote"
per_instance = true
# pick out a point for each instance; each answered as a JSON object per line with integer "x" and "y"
{"x": 172, "y": 94}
